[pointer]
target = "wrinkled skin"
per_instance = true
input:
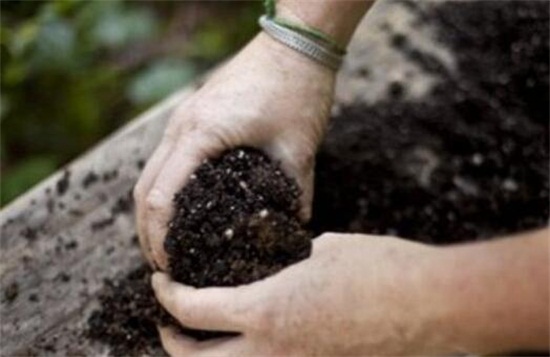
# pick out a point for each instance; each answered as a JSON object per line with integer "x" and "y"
{"x": 345, "y": 299}
{"x": 262, "y": 98}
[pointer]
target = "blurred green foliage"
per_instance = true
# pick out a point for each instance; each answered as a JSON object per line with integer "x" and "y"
{"x": 73, "y": 71}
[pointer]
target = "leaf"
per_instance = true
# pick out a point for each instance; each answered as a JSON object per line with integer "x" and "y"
{"x": 23, "y": 38}
{"x": 122, "y": 25}
{"x": 160, "y": 80}
{"x": 54, "y": 46}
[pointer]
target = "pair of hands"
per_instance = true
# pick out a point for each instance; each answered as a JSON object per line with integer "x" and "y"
{"x": 345, "y": 297}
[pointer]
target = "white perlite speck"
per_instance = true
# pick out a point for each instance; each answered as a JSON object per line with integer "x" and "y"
{"x": 477, "y": 159}
{"x": 228, "y": 233}
{"x": 509, "y": 185}
{"x": 263, "y": 213}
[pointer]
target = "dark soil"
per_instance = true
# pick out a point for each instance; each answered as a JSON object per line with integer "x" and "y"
{"x": 127, "y": 317}
{"x": 235, "y": 222}
{"x": 11, "y": 292}
{"x": 90, "y": 179}
{"x": 63, "y": 183}
{"x": 470, "y": 161}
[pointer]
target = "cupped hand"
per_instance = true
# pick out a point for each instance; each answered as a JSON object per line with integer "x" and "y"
{"x": 356, "y": 294}
{"x": 269, "y": 97}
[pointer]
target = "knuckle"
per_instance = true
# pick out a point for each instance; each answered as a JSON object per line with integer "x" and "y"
{"x": 157, "y": 201}
{"x": 171, "y": 300}
{"x": 190, "y": 127}
{"x": 206, "y": 141}
{"x": 326, "y": 240}
{"x": 157, "y": 252}
{"x": 305, "y": 160}
{"x": 171, "y": 131}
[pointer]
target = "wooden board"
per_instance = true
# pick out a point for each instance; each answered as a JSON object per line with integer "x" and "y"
{"x": 60, "y": 240}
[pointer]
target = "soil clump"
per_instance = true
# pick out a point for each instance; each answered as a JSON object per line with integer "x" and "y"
{"x": 236, "y": 221}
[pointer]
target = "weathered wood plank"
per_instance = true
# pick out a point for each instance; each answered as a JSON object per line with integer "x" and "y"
{"x": 61, "y": 239}
{"x": 84, "y": 231}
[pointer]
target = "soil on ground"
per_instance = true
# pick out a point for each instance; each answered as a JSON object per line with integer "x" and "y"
{"x": 469, "y": 161}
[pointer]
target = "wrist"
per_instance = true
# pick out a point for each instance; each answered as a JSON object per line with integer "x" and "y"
{"x": 488, "y": 297}
{"x": 425, "y": 308}
{"x": 450, "y": 290}
{"x": 289, "y": 59}
{"x": 335, "y": 18}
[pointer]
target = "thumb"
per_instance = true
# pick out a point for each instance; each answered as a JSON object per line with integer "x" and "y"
{"x": 299, "y": 166}
{"x": 215, "y": 309}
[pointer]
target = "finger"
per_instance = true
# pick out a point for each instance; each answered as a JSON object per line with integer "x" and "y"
{"x": 176, "y": 344}
{"x": 142, "y": 187}
{"x": 301, "y": 168}
{"x": 178, "y": 167}
{"x": 306, "y": 183}
{"x": 216, "y": 309}
{"x": 146, "y": 180}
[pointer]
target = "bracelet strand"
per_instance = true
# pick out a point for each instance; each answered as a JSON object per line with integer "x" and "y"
{"x": 306, "y": 40}
{"x": 300, "y": 43}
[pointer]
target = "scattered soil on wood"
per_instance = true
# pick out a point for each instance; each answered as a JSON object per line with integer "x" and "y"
{"x": 470, "y": 161}
{"x": 128, "y": 314}
{"x": 63, "y": 183}
{"x": 11, "y": 292}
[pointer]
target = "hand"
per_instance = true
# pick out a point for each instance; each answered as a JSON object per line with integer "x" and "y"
{"x": 269, "y": 97}
{"x": 355, "y": 295}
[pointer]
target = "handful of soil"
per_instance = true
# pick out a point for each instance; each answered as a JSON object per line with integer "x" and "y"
{"x": 235, "y": 222}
